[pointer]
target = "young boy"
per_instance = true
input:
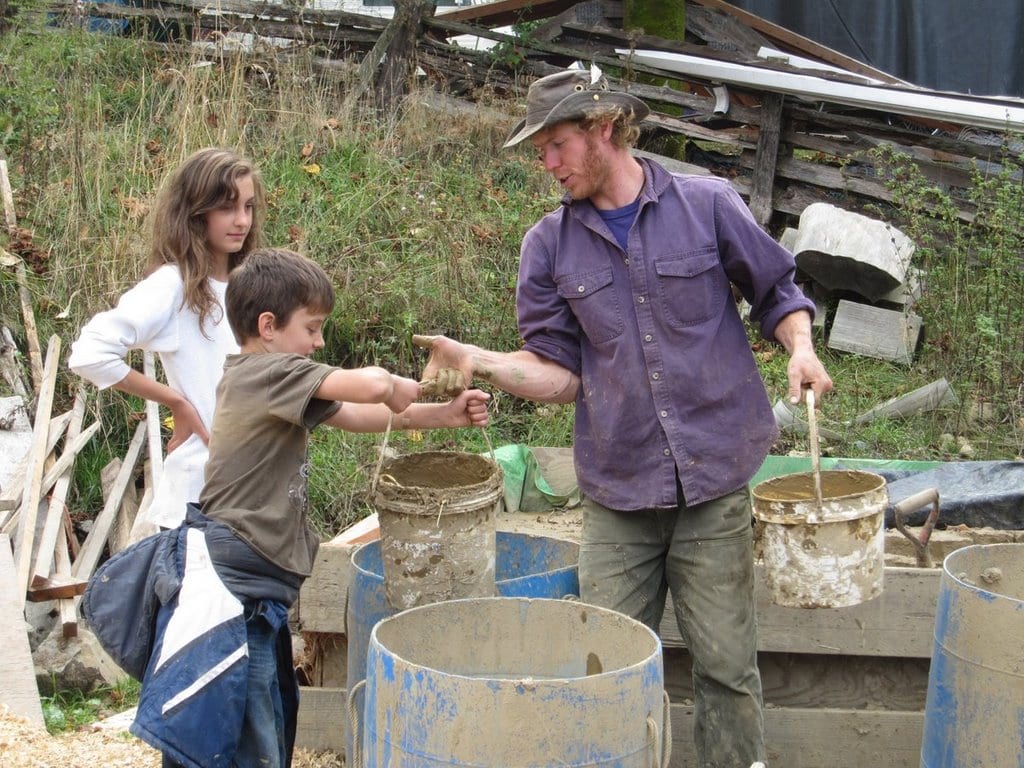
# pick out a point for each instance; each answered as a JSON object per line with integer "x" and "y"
{"x": 219, "y": 687}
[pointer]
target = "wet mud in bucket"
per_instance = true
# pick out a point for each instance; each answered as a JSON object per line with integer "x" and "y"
{"x": 822, "y": 554}
{"x": 437, "y": 512}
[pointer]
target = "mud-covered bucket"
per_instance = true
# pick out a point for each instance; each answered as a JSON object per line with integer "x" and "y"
{"x": 974, "y": 712}
{"x": 826, "y": 555}
{"x": 437, "y": 513}
{"x": 514, "y": 682}
{"x": 526, "y": 566}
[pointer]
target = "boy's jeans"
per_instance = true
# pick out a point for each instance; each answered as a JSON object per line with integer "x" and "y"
{"x": 704, "y": 555}
{"x": 262, "y": 742}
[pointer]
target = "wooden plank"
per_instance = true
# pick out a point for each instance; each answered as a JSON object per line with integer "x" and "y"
{"x": 821, "y": 738}
{"x": 94, "y": 543}
{"x": 875, "y": 332}
{"x": 18, "y": 689}
{"x": 120, "y": 531}
{"x": 818, "y": 681}
{"x": 53, "y": 527}
{"x": 28, "y": 315}
{"x": 767, "y": 154}
{"x": 897, "y": 623}
{"x": 323, "y": 719}
{"x": 504, "y": 12}
{"x": 795, "y": 738}
{"x": 56, "y": 588}
{"x": 323, "y": 598}
{"x": 32, "y": 494}
{"x": 11, "y": 499}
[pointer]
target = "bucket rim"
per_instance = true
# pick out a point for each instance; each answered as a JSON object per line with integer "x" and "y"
{"x": 367, "y": 545}
{"x": 544, "y": 682}
{"x": 949, "y": 561}
{"x": 806, "y": 511}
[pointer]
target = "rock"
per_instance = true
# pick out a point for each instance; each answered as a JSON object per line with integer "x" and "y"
{"x": 76, "y": 663}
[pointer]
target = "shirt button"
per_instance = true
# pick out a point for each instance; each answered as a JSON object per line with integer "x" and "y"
{"x": 663, "y": 414}
{"x": 581, "y": 288}
{"x": 655, "y": 375}
{"x": 648, "y": 337}
{"x": 667, "y": 452}
{"x": 641, "y": 299}
{"x": 626, "y": 261}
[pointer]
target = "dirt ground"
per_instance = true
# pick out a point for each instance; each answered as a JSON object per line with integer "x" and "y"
{"x": 23, "y": 745}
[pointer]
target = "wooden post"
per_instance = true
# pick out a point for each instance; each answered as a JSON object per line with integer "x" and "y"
{"x": 767, "y": 155}
{"x": 394, "y": 54}
{"x": 35, "y": 354}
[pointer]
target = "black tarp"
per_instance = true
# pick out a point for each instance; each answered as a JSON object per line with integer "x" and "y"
{"x": 967, "y": 46}
{"x": 978, "y": 494}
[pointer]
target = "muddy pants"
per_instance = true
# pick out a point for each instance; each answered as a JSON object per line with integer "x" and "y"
{"x": 704, "y": 555}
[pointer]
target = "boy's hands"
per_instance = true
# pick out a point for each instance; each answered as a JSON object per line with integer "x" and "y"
{"x": 469, "y": 409}
{"x": 405, "y": 393}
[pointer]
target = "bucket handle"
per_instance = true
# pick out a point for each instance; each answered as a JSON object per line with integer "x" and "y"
{"x": 661, "y": 760}
{"x": 354, "y": 724}
{"x": 920, "y": 542}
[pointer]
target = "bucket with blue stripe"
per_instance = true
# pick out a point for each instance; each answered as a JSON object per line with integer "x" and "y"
{"x": 974, "y": 711}
{"x": 514, "y": 682}
{"x": 525, "y": 566}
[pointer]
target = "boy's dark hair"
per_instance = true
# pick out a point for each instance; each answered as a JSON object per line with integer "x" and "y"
{"x": 278, "y": 281}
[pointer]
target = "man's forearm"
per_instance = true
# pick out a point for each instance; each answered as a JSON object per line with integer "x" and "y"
{"x": 794, "y": 332}
{"x": 525, "y": 375}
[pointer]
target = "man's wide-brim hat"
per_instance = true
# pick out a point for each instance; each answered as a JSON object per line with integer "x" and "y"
{"x": 569, "y": 95}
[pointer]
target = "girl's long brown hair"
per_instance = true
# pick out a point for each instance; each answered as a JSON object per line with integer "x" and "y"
{"x": 207, "y": 180}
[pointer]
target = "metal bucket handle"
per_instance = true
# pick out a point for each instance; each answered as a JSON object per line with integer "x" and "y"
{"x": 920, "y": 542}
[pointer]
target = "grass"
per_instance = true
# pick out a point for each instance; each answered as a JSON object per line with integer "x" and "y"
{"x": 418, "y": 220}
{"x": 68, "y": 710}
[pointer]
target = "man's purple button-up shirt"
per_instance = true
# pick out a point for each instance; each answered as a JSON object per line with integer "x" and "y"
{"x": 668, "y": 381}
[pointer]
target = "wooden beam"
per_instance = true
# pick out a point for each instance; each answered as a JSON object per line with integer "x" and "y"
{"x": 795, "y": 737}
{"x": 32, "y": 493}
{"x": 18, "y": 688}
{"x": 62, "y": 470}
{"x": 767, "y": 153}
{"x": 94, "y": 543}
{"x": 504, "y": 12}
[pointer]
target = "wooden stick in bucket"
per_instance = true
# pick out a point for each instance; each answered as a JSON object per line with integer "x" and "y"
{"x": 812, "y": 426}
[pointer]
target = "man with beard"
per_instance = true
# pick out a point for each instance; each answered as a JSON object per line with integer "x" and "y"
{"x": 625, "y": 308}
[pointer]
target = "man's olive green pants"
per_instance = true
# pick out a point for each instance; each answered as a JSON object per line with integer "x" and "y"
{"x": 703, "y": 554}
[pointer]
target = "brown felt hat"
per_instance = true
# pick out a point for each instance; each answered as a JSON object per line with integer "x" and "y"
{"x": 569, "y": 95}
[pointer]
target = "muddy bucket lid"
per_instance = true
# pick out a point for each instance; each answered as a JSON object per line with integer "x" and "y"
{"x": 846, "y": 494}
{"x": 448, "y": 480}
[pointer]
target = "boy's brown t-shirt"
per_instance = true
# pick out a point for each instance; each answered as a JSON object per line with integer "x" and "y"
{"x": 257, "y": 473}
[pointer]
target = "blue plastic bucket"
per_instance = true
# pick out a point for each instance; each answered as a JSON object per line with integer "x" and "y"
{"x": 514, "y": 682}
{"x": 525, "y": 566}
{"x": 974, "y": 712}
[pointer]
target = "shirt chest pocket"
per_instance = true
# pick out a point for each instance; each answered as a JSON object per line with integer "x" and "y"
{"x": 593, "y": 301}
{"x": 692, "y": 286}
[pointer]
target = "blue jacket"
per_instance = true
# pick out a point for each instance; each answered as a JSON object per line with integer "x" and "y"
{"x": 162, "y": 612}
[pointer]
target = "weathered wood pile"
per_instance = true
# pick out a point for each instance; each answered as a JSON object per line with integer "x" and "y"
{"x": 781, "y": 152}
{"x": 41, "y": 557}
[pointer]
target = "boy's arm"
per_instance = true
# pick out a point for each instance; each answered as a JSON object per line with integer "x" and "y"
{"x": 469, "y": 409}
{"x": 369, "y": 385}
